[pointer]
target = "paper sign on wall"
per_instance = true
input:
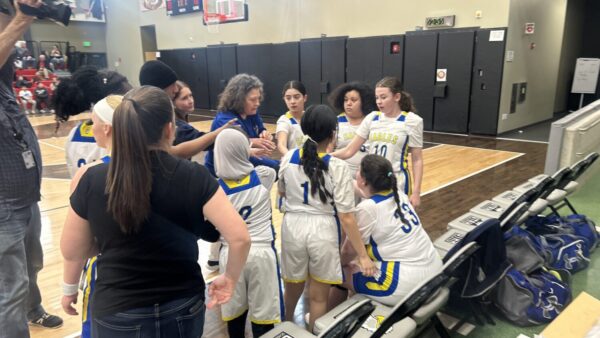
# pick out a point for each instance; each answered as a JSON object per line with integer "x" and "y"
{"x": 497, "y": 35}
{"x": 441, "y": 74}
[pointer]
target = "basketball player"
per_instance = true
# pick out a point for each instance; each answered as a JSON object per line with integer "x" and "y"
{"x": 289, "y": 133}
{"x": 393, "y": 132}
{"x": 355, "y": 100}
{"x": 76, "y": 95}
{"x": 396, "y": 240}
{"x": 317, "y": 188}
{"x": 258, "y": 291}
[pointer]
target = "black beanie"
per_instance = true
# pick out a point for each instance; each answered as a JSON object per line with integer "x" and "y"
{"x": 158, "y": 74}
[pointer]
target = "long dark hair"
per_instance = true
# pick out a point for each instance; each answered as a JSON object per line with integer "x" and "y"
{"x": 395, "y": 86}
{"x": 366, "y": 93}
{"x": 138, "y": 124}
{"x": 319, "y": 123}
{"x": 87, "y": 86}
{"x": 379, "y": 175}
{"x": 294, "y": 84}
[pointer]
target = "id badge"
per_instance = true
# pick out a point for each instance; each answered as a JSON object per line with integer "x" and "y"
{"x": 28, "y": 159}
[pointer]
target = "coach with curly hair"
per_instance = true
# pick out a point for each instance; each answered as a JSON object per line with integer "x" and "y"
{"x": 240, "y": 100}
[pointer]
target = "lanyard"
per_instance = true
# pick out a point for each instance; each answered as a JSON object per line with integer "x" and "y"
{"x": 18, "y": 135}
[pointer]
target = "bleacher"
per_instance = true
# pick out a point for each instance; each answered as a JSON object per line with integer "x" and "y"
{"x": 30, "y": 76}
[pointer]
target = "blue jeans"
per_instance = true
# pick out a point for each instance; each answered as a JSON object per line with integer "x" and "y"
{"x": 182, "y": 318}
{"x": 21, "y": 258}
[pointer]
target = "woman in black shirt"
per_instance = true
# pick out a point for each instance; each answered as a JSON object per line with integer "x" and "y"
{"x": 143, "y": 212}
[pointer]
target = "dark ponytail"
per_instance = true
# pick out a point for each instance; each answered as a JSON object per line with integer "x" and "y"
{"x": 319, "y": 123}
{"x": 138, "y": 124}
{"x": 87, "y": 86}
{"x": 379, "y": 175}
{"x": 395, "y": 86}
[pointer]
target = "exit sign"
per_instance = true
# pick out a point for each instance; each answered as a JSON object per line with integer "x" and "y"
{"x": 440, "y": 21}
{"x": 87, "y": 44}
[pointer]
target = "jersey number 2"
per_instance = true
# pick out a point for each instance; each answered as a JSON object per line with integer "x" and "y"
{"x": 245, "y": 212}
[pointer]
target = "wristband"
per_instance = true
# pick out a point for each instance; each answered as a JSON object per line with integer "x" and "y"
{"x": 69, "y": 289}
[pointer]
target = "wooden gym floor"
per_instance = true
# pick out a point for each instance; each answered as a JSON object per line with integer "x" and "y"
{"x": 460, "y": 171}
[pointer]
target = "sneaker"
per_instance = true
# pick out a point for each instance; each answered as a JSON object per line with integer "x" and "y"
{"x": 212, "y": 265}
{"x": 48, "y": 321}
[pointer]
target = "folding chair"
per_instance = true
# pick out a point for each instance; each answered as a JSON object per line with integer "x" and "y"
{"x": 345, "y": 324}
{"x": 420, "y": 307}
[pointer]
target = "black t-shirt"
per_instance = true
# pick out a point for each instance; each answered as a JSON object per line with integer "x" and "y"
{"x": 41, "y": 93}
{"x": 159, "y": 263}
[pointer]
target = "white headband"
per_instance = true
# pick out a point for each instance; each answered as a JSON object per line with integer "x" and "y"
{"x": 104, "y": 110}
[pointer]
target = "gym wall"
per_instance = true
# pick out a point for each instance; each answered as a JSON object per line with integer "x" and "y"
{"x": 293, "y": 20}
{"x": 537, "y": 67}
{"x": 76, "y": 33}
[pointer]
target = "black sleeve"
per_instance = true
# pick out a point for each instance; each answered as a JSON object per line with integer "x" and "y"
{"x": 202, "y": 187}
{"x": 79, "y": 197}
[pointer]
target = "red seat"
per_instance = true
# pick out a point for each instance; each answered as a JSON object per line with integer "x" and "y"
{"x": 25, "y": 72}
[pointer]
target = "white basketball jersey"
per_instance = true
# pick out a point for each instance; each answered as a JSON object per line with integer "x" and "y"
{"x": 346, "y": 133}
{"x": 81, "y": 148}
{"x": 388, "y": 238}
{"x": 251, "y": 198}
{"x": 289, "y": 125}
{"x": 391, "y": 138}
{"x": 297, "y": 188}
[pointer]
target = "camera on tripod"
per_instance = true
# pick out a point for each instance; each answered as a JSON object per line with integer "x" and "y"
{"x": 52, "y": 10}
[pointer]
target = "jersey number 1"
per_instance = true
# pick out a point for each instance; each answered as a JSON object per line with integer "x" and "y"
{"x": 305, "y": 186}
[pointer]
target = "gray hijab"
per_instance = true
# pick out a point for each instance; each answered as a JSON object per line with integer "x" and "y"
{"x": 232, "y": 151}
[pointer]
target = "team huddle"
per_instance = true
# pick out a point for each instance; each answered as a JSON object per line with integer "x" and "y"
{"x": 343, "y": 184}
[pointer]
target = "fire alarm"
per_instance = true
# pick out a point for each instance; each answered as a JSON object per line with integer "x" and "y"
{"x": 530, "y": 28}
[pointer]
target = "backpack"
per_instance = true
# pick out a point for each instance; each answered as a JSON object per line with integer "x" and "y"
{"x": 568, "y": 252}
{"x": 575, "y": 224}
{"x": 531, "y": 299}
{"x": 524, "y": 250}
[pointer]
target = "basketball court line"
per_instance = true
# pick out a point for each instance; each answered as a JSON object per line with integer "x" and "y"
{"x": 517, "y": 155}
{"x": 520, "y": 140}
{"x": 51, "y": 145}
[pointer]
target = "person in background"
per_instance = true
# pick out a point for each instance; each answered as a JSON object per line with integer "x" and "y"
{"x": 26, "y": 97}
{"x": 54, "y": 84}
{"x": 21, "y": 254}
{"x": 22, "y": 82}
{"x": 43, "y": 74}
{"x": 240, "y": 100}
{"x": 42, "y": 97}
{"x": 42, "y": 61}
{"x": 289, "y": 133}
{"x": 144, "y": 211}
{"x": 158, "y": 74}
{"x": 57, "y": 60}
